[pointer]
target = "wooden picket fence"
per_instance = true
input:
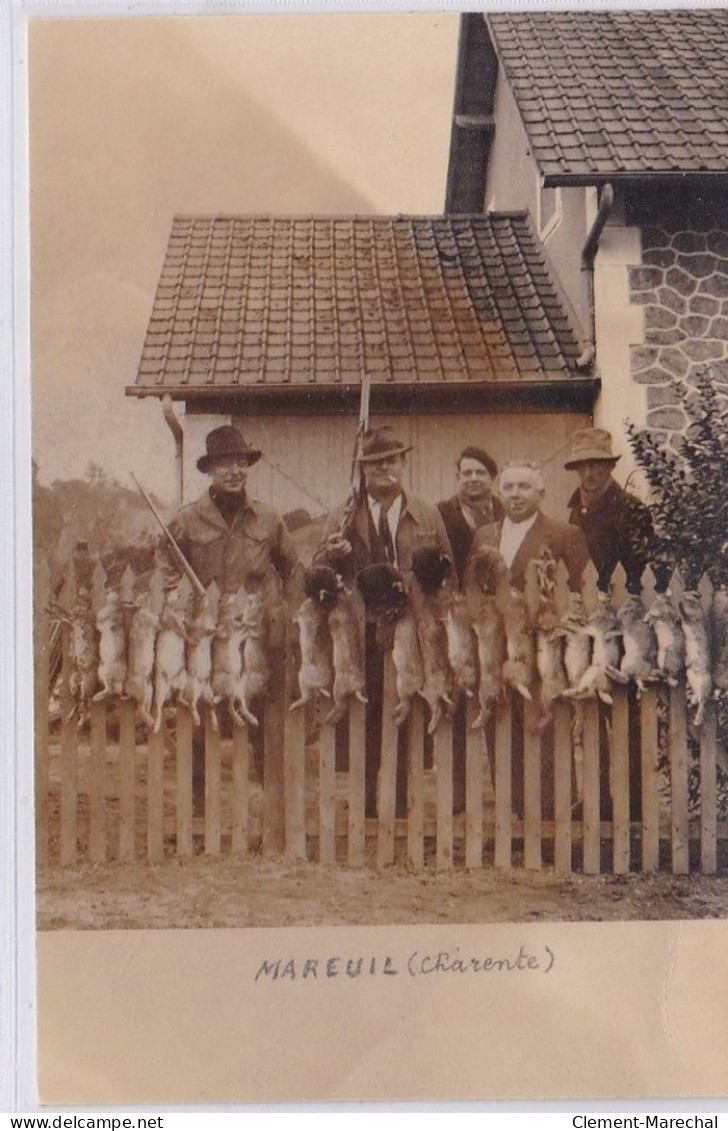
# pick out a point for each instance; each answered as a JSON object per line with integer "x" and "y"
{"x": 111, "y": 790}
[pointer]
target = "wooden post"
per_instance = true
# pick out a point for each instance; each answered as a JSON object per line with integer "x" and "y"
{"x": 241, "y": 788}
{"x": 562, "y": 788}
{"x": 442, "y": 756}
{"x": 294, "y": 770}
{"x": 155, "y": 796}
{"x": 69, "y": 761}
{"x": 416, "y": 786}
{"x": 97, "y": 784}
{"x": 183, "y": 768}
{"x": 531, "y": 787}
{"x": 127, "y": 779}
{"x": 679, "y": 781}
{"x": 274, "y": 729}
{"x": 41, "y": 699}
{"x": 357, "y": 747}
{"x": 387, "y": 770}
{"x": 503, "y": 788}
{"x": 327, "y": 796}
{"x": 591, "y": 840}
{"x": 620, "y": 781}
{"x": 650, "y": 798}
{"x": 213, "y": 767}
{"x": 474, "y": 754}
{"x": 708, "y": 792}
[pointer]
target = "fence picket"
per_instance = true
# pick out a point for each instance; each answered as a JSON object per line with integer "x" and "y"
{"x": 387, "y": 771}
{"x": 708, "y": 792}
{"x": 591, "y": 836}
{"x": 416, "y": 787}
{"x": 69, "y": 761}
{"x": 241, "y": 788}
{"x": 474, "y": 755}
{"x": 503, "y": 788}
{"x": 532, "y": 787}
{"x": 620, "y": 755}
{"x": 127, "y": 780}
{"x": 213, "y": 770}
{"x": 183, "y": 782}
{"x": 294, "y": 770}
{"x": 357, "y": 748}
{"x": 442, "y": 756}
{"x": 155, "y": 796}
{"x": 679, "y": 781}
{"x": 42, "y": 691}
{"x": 650, "y": 780}
{"x": 327, "y": 796}
{"x": 562, "y": 788}
{"x": 97, "y": 784}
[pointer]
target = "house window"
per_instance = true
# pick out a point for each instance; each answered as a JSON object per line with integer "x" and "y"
{"x": 549, "y": 211}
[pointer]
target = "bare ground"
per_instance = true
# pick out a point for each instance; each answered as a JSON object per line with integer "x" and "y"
{"x": 240, "y": 891}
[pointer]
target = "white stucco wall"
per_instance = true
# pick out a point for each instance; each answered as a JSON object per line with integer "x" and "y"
{"x": 619, "y": 325}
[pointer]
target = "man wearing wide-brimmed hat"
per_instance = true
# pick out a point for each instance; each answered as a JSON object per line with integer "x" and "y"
{"x": 234, "y": 540}
{"x": 384, "y": 523}
{"x": 616, "y": 524}
{"x": 226, "y": 536}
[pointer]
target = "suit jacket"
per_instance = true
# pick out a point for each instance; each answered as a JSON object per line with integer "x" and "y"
{"x": 420, "y": 525}
{"x": 566, "y": 543}
{"x": 617, "y": 528}
{"x": 459, "y": 530}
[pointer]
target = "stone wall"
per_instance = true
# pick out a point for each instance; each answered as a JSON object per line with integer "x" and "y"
{"x": 682, "y": 285}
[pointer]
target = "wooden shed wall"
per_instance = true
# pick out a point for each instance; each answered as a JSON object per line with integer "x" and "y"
{"x": 307, "y": 459}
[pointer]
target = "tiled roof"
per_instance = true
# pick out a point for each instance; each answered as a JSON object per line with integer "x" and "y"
{"x": 604, "y": 94}
{"x": 262, "y": 302}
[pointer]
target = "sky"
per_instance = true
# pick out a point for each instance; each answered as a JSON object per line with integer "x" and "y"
{"x": 134, "y": 120}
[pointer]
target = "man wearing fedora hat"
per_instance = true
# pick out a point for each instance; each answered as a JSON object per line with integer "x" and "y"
{"x": 226, "y": 536}
{"x": 616, "y": 525}
{"x": 382, "y": 524}
{"x": 234, "y": 540}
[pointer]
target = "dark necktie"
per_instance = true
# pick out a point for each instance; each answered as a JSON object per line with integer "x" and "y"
{"x": 385, "y": 534}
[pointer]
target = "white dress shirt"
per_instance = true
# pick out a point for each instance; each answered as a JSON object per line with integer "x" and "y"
{"x": 512, "y": 535}
{"x": 393, "y": 517}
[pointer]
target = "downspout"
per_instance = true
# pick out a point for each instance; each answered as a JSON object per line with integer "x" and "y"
{"x": 588, "y": 255}
{"x": 178, "y": 432}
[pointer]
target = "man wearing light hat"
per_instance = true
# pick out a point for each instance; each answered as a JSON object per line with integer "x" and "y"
{"x": 616, "y": 525}
{"x": 383, "y": 524}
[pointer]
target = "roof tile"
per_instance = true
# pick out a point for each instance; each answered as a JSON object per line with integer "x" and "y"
{"x": 651, "y": 82}
{"x": 407, "y": 299}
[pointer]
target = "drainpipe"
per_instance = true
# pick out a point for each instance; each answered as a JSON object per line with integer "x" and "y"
{"x": 178, "y": 432}
{"x": 588, "y": 255}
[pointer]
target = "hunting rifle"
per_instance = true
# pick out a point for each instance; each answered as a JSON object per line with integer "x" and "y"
{"x": 197, "y": 585}
{"x": 357, "y": 475}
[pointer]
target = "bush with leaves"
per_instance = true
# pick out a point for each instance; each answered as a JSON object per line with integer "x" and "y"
{"x": 689, "y": 486}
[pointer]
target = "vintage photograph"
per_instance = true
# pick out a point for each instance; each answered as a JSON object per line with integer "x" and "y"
{"x": 380, "y": 508}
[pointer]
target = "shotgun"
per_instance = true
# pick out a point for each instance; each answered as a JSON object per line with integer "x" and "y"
{"x": 197, "y": 585}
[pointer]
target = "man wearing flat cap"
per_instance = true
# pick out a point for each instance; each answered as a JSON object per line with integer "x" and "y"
{"x": 616, "y": 525}
{"x": 473, "y": 505}
{"x": 384, "y": 524}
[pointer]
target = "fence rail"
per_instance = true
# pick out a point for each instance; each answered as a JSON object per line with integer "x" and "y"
{"x": 632, "y": 793}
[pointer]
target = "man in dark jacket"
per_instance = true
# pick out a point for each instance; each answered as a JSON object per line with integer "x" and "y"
{"x": 383, "y": 524}
{"x": 473, "y": 505}
{"x": 231, "y": 539}
{"x": 616, "y": 525}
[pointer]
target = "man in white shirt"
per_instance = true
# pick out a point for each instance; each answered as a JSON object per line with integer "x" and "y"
{"x": 525, "y": 530}
{"x": 384, "y": 524}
